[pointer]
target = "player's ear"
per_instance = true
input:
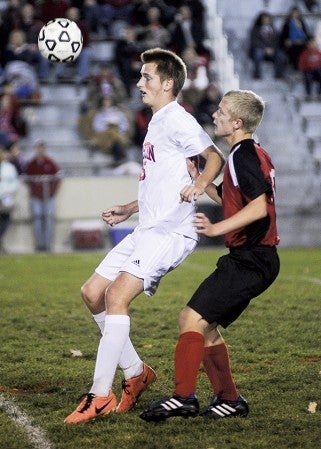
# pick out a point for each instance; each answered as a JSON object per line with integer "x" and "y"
{"x": 168, "y": 85}
{"x": 238, "y": 123}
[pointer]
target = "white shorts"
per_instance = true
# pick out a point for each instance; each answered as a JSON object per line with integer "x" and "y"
{"x": 148, "y": 254}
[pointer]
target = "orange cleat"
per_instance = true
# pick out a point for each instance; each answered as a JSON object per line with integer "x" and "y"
{"x": 134, "y": 387}
{"x": 91, "y": 407}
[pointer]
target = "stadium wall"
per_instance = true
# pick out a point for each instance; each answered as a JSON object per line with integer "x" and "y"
{"x": 80, "y": 201}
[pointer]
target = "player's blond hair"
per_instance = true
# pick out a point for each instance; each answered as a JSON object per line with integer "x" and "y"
{"x": 247, "y": 106}
{"x": 169, "y": 66}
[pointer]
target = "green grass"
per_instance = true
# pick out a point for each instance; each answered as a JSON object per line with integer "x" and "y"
{"x": 274, "y": 346}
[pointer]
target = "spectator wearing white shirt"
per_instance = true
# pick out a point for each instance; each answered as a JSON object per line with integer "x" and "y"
{"x": 9, "y": 184}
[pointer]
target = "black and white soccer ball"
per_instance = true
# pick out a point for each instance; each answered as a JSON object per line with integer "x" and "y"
{"x": 60, "y": 40}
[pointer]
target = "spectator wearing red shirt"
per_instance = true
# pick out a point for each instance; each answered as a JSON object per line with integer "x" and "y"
{"x": 310, "y": 65}
{"x": 43, "y": 177}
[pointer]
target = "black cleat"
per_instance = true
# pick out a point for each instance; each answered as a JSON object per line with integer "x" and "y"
{"x": 168, "y": 407}
{"x": 220, "y": 408}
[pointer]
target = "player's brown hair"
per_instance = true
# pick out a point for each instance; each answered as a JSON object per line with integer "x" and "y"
{"x": 247, "y": 106}
{"x": 169, "y": 66}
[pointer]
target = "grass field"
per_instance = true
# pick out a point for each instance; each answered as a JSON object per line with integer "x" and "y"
{"x": 275, "y": 349}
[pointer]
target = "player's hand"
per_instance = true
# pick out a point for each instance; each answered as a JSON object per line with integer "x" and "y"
{"x": 191, "y": 193}
{"x": 203, "y": 225}
{"x": 192, "y": 169}
{"x": 115, "y": 215}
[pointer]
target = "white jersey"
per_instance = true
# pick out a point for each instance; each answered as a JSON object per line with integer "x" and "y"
{"x": 173, "y": 135}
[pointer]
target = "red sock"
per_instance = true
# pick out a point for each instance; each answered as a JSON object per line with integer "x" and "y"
{"x": 217, "y": 366}
{"x": 189, "y": 354}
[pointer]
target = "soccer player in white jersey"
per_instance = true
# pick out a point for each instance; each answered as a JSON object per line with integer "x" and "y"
{"x": 163, "y": 238}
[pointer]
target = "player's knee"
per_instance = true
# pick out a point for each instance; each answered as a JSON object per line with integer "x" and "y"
{"x": 88, "y": 294}
{"x": 185, "y": 319}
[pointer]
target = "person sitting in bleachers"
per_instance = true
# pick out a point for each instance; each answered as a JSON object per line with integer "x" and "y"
{"x": 197, "y": 76}
{"x": 108, "y": 128}
{"x": 153, "y": 34}
{"x": 310, "y": 65}
{"x": 188, "y": 31}
{"x": 127, "y": 57}
{"x": 20, "y": 59}
{"x": 12, "y": 124}
{"x": 205, "y": 108}
{"x": 294, "y": 36}
{"x": 104, "y": 83}
{"x": 264, "y": 46}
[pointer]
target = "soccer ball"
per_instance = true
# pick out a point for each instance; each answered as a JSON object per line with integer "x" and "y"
{"x": 60, "y": 40}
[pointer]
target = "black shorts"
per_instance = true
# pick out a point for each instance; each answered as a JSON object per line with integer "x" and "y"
{"x": 240, "y": 276}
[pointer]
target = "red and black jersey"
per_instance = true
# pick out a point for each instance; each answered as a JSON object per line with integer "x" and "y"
{"x": 248, "y": 174}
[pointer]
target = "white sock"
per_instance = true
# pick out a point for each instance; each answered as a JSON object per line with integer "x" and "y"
{"x": 100, "y": 320}
{"x": 130, "y": 361}
{"x": 111, "y": 345}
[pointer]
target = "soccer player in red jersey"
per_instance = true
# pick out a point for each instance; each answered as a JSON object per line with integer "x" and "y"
{"x": 250, "y": 267}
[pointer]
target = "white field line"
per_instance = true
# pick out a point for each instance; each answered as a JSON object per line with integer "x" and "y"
{"x": 312, "y": 280}
{"x": 35, "y": 435}
{"x": 316, "y": 281}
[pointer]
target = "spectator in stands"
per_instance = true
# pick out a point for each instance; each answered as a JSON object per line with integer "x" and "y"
{"x": 108, "y": 128}
{"x": 104, "y": 84}
{"x": 43, "y": 177}
{"x": 310, "y": 65}
{"x": 208, "y": 104}
{"x": 141, "y": 8}
{"x": 90, "y": 12}
{"x": 16, "y": 157}
{"x": 112, "y": 12}
{"x": 187, "y": 31}
{"x": 12, "y": 124}
{"x": 31, "y": 25}
{"x": 9, "y": 184}
{"x": 264, "y": 46}
{"x": 294, "y": 36}
{"x": 10, "y": 19}
{"x": 127, "y": 57}
{"x": 20, "y": 59}
{"x": 154, "y": 34}
{"x": 197, "y": 76}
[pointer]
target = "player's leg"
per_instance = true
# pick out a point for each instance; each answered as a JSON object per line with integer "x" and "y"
{"x": 189, "y": 353}
{"x": 134, "y": 369}
{"x": 100, "y": 399}
{"x": 226, "y": 401}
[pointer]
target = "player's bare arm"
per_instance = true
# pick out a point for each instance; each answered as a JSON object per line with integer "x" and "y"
{"x": 117, "y": 214}
{"x": 253, "y": 211}
{"x": 213, "y": 166}
{"x": 211, "y": 189}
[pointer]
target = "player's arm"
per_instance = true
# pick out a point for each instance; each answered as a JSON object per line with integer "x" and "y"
{"x": 117, "y": 214}
{"x": 211, "y": 189}
{"x": 213, "y": 166}
{"x": 254, "y": 210}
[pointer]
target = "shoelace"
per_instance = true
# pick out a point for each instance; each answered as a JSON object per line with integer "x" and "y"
{"x": 125, "y": 386}
{"x": 89, "y": 398}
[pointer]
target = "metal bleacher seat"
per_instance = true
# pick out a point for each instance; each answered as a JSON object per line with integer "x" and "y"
{"x": 103, "y": 50}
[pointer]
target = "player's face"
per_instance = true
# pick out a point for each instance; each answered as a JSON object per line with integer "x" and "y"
{"x": 223, "y": 122}
{"x": 151, "y": 87}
